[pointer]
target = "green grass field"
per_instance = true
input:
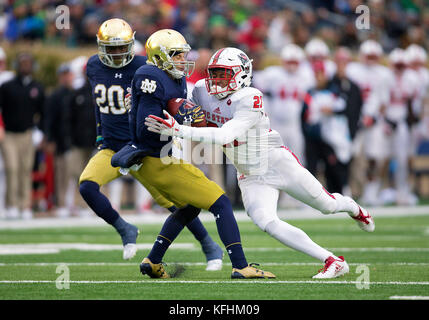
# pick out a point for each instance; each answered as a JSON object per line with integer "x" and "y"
{"x": 394, "y": 259}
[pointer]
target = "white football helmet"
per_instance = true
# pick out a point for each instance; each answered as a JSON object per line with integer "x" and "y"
{"x": 370, "y": 50}
{"x": 316, "y": 48}
{"x": 397, "y": 58}
{"x": 292, "y": 52}
{"x": 229, "y": 70}
{"x": 416, "y": 54}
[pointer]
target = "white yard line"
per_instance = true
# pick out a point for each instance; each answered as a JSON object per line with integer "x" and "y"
{"x": 154, "y": 218}
{"x": 46, "y": 248}
{"x": 409, "y": 297}
{"x": 261, "y": 281}
{"x": 50, "y": 248}
{"x": 120, "y": 264}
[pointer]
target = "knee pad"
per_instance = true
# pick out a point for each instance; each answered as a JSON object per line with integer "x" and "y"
{"x": 87, "y": 188}
{"x": 261, "y": 218}
{"x": 186, "y": 214}
{"x": 271, "y": 227}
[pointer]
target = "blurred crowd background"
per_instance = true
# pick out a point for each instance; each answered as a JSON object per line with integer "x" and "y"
{"x": 62, "y": 134}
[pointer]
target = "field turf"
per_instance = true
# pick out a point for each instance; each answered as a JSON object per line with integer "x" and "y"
{"x": 391, "y": 263}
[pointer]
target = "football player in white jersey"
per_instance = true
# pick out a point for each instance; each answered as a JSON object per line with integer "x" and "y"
{"x": 284, "y": 88}
{"x": 317, "y": 50}
{"x": 264, "y": 165}
{"x": 416, "y": 60}
{"x": 372, "y": 78}
{"x": 399, "y": 117}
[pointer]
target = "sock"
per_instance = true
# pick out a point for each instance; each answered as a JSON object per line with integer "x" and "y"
{"x": 170, "y": 230}
{"x": 228, "y": 231}
{"x": 210, "y": 248}
{"x": 172, "y": 209}
{"x": 98, "y": 202}
{"x": 197, "y": 229}
{"x": 127, "y": 231}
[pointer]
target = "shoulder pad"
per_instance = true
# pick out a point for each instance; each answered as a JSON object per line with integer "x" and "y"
{"x": 140, "y": 60}
{"x": 92, "y": 65}
{"x": 198, "y": 91}
{"x": 248, "y": 98}
{"x": 148, "y": 80}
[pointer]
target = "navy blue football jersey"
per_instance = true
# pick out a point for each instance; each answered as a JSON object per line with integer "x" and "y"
{"x": 109, "y": 87}
{"x": 151, "y": 90}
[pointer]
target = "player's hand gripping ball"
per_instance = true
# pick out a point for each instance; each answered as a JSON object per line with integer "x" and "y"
{"x": 186, "y": 111}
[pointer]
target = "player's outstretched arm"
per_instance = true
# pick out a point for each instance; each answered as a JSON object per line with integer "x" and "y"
{"x": 231, "y": 130}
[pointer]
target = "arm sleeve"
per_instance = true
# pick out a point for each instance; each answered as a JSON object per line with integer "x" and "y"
{"x": 242, "y": 121}
{"x": 144, "y": 104}
{"x": 147, "y": 105}
{"x": 89, "y": 71}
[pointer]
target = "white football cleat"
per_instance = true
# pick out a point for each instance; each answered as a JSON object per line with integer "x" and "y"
{"x": 364, "y": 220}
{"x": 130, "y": 250}
{"x": 333, "y": 268}
{"x": 214, "y": 265}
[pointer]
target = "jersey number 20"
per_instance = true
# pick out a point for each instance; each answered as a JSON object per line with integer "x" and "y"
{"x": 106, "y": 100}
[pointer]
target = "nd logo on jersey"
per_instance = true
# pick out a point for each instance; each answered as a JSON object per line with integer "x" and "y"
{"x": 148, "y": 86}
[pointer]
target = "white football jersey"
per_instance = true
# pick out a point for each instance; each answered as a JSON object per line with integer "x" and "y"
{"x": 422, "y": 75}
{"x": 285, "y": 94}
{"x": 372, "y": 81}
{"x": 245, "y": 134}
{"x": 402, "y": 88}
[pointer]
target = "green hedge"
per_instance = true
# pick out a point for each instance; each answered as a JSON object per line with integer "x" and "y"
{"x": 49, "y": 58}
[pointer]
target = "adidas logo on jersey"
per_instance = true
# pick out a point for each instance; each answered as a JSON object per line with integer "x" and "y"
{"x": 217, "y": 110}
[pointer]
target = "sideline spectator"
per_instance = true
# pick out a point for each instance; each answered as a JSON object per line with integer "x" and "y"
{"x": 352, "y": 95}
{"x": 21, "y": 99}
{"x": 5, "y": 75}
{"x": 58, "y": 133}
{"x": 326, "y": 131}
{"x": 81, "y": 118}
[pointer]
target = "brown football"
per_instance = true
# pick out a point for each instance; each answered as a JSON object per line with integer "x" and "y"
{"x": 174, "y": 104}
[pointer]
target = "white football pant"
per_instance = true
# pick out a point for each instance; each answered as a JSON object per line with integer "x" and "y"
{"x": 285, "y": 173}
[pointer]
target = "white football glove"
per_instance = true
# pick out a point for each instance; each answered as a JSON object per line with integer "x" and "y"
{"x": 127, "y": 99}
{"x": 167, "y": 126}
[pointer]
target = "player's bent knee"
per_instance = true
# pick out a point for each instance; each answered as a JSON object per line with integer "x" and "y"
{"x": 261, "y": 218}
{"x": 271, "y": 226}
{"x": 187, "y": 214}
{"x": 87, "y": 189}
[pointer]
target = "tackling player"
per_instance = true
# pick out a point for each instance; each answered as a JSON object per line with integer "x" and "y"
{"x": 110, "y": 73}
{"x": 154, "y": 84}
{"x": 265, "y": 166}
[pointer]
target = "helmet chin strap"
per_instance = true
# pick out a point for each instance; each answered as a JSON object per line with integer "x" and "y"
{"x": 220, "y": 95}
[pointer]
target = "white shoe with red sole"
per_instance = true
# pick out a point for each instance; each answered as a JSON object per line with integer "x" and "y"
{"x": 333, "y": 268}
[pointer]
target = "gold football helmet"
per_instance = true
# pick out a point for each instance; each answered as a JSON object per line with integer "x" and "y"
{"x": 162, "y": 46}
{"x": 115, "y": 40}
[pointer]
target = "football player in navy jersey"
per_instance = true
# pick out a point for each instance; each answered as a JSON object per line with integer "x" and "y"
{"x": 162, "y": 78}
{"x": 110, "y": 73}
